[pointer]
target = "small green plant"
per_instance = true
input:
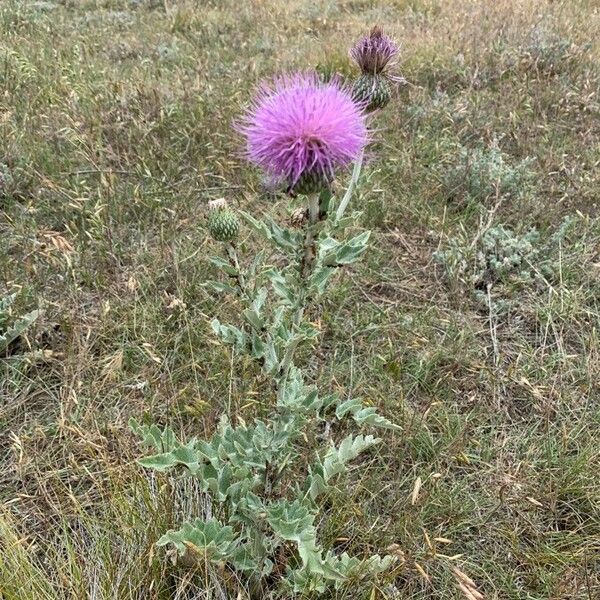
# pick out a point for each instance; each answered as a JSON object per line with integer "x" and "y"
{"x": 484, "y": 173}
{"x": 500, "y": 255}
{"x": 12, "y": 328}
{"x": 267, "y": 481}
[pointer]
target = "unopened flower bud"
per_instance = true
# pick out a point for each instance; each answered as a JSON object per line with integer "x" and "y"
{"x": 223, "y": 224}
{"x": 372, "y": 91}
{"x": 376, "y": 56}
{"x": 375, "y": 53}
{"x": 310, "y": 182}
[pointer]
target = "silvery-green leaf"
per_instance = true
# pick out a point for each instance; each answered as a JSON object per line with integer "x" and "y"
{"x": 327, "y": 245}
{"x": 349, "y": 220}
{"x": 334, "y": 462}
{"x": 350, "y": 567}
{"x": 161, "y": 440}
{"x": 185, "y": 456}
{"x": 17, "y": 329}
{"x": 293, "y": 390}
{"x": 348, "y": 252}
{"x": 320, "y": 278}
{"x": 306, "y": 331}
{"x": 364, "y": 414}
{"x": 210, "y": 540}
{"x": 6, "y": 302}
{"x": 242, "y": 559}
{"x": 301, "y": 582}
{"x": 220, "y": 287}
{"x": 293, "y": 521}
{"x": 224, "y": 265}
{"x": 256, "y": 224}
{"x": 253, "y": 268}
{"x": 258, "y": 347}
{"x": 230, "y": 335}
{"x": 286, "y": 239}
{"x": 370, "y": 416}
{"x": 282, "y": 287}
{"x": 271, "y": 364}
{"x": 254, "y": 313}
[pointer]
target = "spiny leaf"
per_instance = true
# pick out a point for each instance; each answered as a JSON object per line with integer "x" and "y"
{"x": 332, "y": 252}
{"x": 254, "y": 312}
{"x": 293, "y": 521}
{"x": 230, "y": 335}
{"x": 320, "y": 278}
{"x": 161, "y": 440}
{"x": 334, "y": 462}
{"x": 286, "y": 239}
{"x": 6, "y": 302}
{"x": 186, "y": 456}
{"x": 224, "y": 265}
{"x": 220, "y": 287}
{"x": 256, "y": 224}
{"x": 282, "y": 286}
{"x": 211, "y": 539}
{"x": 364, "y": 414}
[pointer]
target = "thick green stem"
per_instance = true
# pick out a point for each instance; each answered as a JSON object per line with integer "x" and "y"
{"x": 306, "y": 266}
{"x": 309, "y": 240}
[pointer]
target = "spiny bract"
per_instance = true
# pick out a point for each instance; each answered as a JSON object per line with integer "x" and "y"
{"x": 373, "y": 91}
{"x": 223, "y": 225}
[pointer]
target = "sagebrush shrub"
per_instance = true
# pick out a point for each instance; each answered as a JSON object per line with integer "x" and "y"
{"x": 500, "y": 255}
{"x": 548, "y": 52}
{"x": 482, "y": 173}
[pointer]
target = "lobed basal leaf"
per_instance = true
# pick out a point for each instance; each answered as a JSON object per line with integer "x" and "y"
{"x": 333, "y": 253}
{"x": 334, "y": 462}
{"x": 161, "y": 440}
{"x": 211, "y": 541}
{"x": 364, "y": 414}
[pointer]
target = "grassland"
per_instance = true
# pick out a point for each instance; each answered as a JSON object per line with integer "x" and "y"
{"x": 115, "y": 130}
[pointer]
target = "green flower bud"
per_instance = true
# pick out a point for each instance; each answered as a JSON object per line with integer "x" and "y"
{"x": 372, "y": 90}
{"x": 310, "y": 182}
{"x": 223, "y": 224}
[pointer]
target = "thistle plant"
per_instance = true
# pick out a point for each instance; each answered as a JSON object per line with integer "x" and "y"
{"x": 266, "y": 481}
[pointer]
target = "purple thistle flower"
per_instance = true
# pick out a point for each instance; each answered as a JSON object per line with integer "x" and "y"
{"x": 375, "y": 52}
{"x": 299, "y": 126}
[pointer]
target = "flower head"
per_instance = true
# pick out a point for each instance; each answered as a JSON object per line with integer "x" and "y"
{"x": 375, "y": 52}
{"x": 300, "y": 129}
